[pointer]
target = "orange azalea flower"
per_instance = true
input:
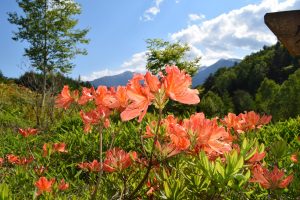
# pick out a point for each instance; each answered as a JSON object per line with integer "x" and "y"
{"x": 44, "y": 185}
{"x": 59, "y": 147}
{"x": 257, "y": 157}
{"x": 89, "y": 118}
{"x": 100, "y": 95}
{"x": 177, "y": 84}
{"x": 152, "y": 82}
{"x": 94, "y": 166}
{"x": 1, "y": 161}
{"x": 209, "y": 136}
{"x": 140, "y": 97}
{"x": 167, "y": 149}
{"x": 87, "y": 95}
{"x": 232, "y": 121}
{"x": 122, "y": 97}
{"x": 45, "y": 150}
{"x": 117, "y": 160}
{"x": 63, "y": 185}
{"x": 294, "y": 158}
{"x": 178, "y": 136}
{"x": 64, "y": 99}
{"x": 245, "y": 121}
{"x": 27, "y": 132}
{"x": 251, "y": 120}
{"x": 270, "y": 180}
{"x": 25, "y": 161}
{"x": 149, "y": 130}
{"x": 13, "y": 159}
{"x": 93, "y": 117}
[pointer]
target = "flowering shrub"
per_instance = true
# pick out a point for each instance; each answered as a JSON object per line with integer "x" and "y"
{"x": 159, "y": 155}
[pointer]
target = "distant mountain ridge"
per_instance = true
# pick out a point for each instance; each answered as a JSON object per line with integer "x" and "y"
{"x": 204, "y": 72}
{"x": 199, "y": 78}
{"x": 113, "y": 81}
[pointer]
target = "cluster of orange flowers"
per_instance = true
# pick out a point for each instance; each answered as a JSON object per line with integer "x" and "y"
{"x": 45, "y": 185}
{"x": 192, "y": 135}
{"x": 245, "y": 121}
{"x": 133, "y": 100}
{"x": 27, "y": 132}
{"x": 213, "y": 136}
{"x": 270, "y": 179}
{"x": 56, "y": 147}
{"x": 116, "y": 160}
{"x": 13, "y": 159}
{"x": 189, "y": 135}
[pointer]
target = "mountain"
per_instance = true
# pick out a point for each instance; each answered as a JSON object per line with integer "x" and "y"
{"x": 199, "y": 78}
{"x": 204, "y": 72}
{"x": 110, "y": 81}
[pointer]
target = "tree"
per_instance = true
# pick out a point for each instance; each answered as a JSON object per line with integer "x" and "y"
{"x": 212, "y": 105}
{"x": 162, "y": 53}
{"x": 265, "y": 95}
{"x": 286, "y": 103}
{"x": 49, "y": 28}
{"x": 243, "y": 101}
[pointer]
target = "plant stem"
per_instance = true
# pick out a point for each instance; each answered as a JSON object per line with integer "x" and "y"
{"x": 93, "y": 197}
{"x": 125, "y": 187}
{"x": 132, "y": 195}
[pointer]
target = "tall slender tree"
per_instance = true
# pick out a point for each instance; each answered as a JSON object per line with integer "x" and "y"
{"x": 48, "y": 26}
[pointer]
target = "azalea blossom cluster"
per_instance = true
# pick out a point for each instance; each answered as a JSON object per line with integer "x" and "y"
{"x": 45, "y": 185}
{"x": 270, "y": 179}
{"x": 170, "y": 136}
{"x": 133, "y": 100}
{"x": 116, "y": 160}
{"x": 56, "y": 147}
{"x": 192, "y": 135}
{"x": 27, "y": 132}
{"x": 245, "y": 122}
{"x": 16, "y": 160}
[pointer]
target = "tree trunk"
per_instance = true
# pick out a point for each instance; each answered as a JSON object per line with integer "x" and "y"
{"x": 42, "y": 108}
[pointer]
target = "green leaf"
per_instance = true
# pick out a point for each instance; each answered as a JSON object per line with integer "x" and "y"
{"x": 167, "y": 189}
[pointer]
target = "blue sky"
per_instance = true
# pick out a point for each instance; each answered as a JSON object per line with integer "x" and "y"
{"x": 118, "y": 29}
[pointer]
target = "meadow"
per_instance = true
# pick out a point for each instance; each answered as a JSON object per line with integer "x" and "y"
{"x": 130, "y": 143}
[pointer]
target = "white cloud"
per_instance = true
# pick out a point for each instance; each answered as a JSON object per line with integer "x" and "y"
{"x": 136, "y": 63}
{"x": 238, "y": 30}
{"x": 151, "y": 12}
{"x": 196, "y": 17}
{"x": 137, "y": 60}
{"x": 230, "y": 35}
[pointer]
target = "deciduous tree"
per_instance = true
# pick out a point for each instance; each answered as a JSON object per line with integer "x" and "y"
{"x": 161, "y": 53}
{"x": 48, "y": 26}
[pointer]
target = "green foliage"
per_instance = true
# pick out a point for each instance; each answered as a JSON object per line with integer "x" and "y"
{"x": 162, "y": 53}
{"x": 243, "y": 101}
{"x": 259, "y": 82}
{"x": 286, "y": 102}
{"x": 212, "y": 105}
{"x": 55, "y": 82}
{"x": 281, "y": 141}
{"x": 49, "y": 29}
{"x": 266, "y": 95}
{"x": 15, "y": 106}
{"x": 186, "y": 175}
